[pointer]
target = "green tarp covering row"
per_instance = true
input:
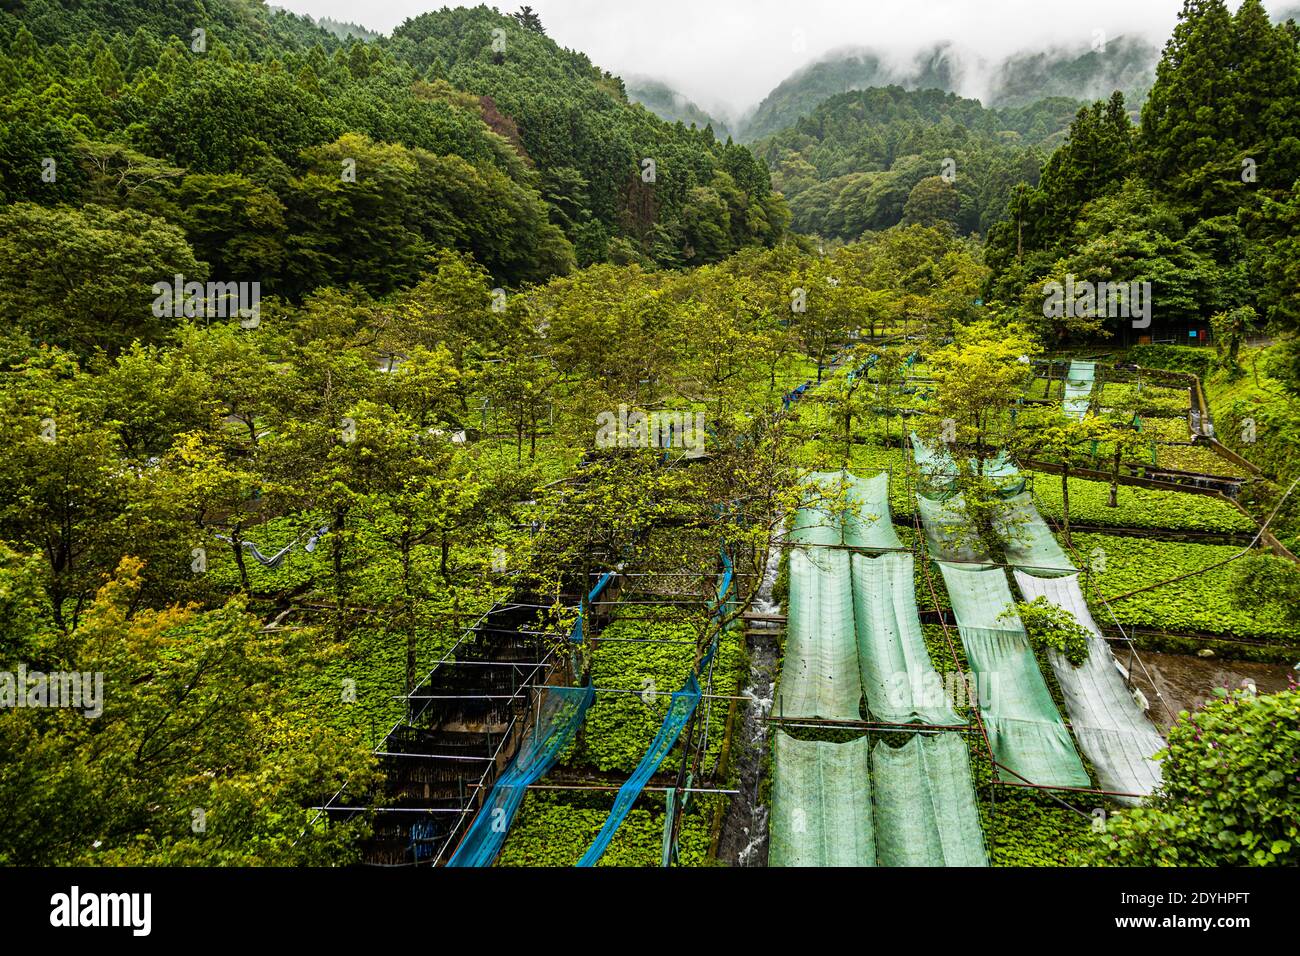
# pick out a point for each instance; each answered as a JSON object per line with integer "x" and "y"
{"x": 1079, "y": 381}
{"x": 948, "y": 532}
{"x": 867, "y": 522}
{"x": 1111, "y": 727}
{"x": 913, "y": 805}
{"x": 821, "y": 804}
{"x": 1028, "y": 541}
{"x": 900, "y": 683}
{"x": 819, "y": 677}
{"x": 925, "y": 807}
{"x": 1025, "y": 729}
{"x": 852, "y": 625}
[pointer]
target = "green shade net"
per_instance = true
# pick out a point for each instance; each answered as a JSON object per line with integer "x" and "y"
{"x": 1110, "y": 725}
{"x": 821, "y": 522}
{"x": 938, "y": 471}
{"x": 900, "y": 682}
{"x": 1020, "y": 717}
{"x": 925, "y": 809}
{"x": 821, "y": 804}
{"x": 1107, "y": 720}
{"x": 1024, "y": 728}
{"x": 1078, "y": 388}
{"x": 867, "y": 522}
{"x": 948, "y": 531}
{"x": 1025, "y": 731}
{"x": 819, "y": 675}
{"x": 1028, "y": 541}
{"x": 1003, "y": 473}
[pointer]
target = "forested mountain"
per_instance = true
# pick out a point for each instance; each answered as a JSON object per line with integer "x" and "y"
{"x": 1200, "y": 200}
{"x": 668, "y": 104}
{"x": 1126, "y": 64}
{"x": 1123, "y": 63}
{"x": 870, "y": 159}
{"x": 264, "y": 148}
{"x": 251, "y": 29}
{"x": 798, "y": 95}
{"x": 594, "y": 149}
{"x": 345, "y": 30}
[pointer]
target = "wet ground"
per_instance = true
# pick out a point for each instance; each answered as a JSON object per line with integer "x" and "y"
{"x": 1185, "y": 682}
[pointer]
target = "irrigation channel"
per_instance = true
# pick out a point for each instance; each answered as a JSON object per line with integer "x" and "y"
{"x": 744, "y": 837}
{"x": 1185, "y": 682}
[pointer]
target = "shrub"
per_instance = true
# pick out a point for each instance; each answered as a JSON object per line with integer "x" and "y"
{"x": 1052, "y": 626}
{"x": 1230, "y": 790}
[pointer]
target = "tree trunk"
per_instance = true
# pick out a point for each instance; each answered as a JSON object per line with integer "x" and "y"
{"x": 1114, "y": 480}
{"x": 409, "y": 612}
{"x": 237, "y": 545}
{"x": 1065, "y": 503}
{"x": 340, "y": 515}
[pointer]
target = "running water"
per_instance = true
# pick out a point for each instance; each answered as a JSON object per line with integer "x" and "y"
{"x": 1176, "y": 682}
{"x": 743, "y": 841}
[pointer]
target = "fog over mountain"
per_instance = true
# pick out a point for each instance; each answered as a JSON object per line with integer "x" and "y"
{"x": 721, "y": 60}
{"x": 669, "y": 104}
{"x": 1089, "y": 72}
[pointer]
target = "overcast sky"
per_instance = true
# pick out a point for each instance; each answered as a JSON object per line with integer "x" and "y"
{"x": 728, "y": 54}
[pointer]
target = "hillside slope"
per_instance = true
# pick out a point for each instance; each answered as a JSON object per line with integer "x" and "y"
{"x": 856, "y": 162}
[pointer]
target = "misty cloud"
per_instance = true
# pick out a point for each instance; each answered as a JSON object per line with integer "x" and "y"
{"x": 726, "y": 55}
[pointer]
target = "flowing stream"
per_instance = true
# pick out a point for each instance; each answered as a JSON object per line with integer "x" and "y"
{"x": 743, "y": 841}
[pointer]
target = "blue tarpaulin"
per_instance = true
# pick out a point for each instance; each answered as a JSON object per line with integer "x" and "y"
{"x": 679, "y": 713}
{"x": 562, "y": 713}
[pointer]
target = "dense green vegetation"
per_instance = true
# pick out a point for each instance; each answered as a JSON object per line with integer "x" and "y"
{"x": 1201, "y": 604}
{"x": 333, "y": 163}
{"x": 1139, "y": 507}
{"x": 554, "y": 832}
{"x": 670, "y": 105}
{"x": 1198, "y": 200}
{"x": 1229, "y": 791}
{"x": 1126, "y": 64}
{"x": 264, "y": 523}
{"x": 868, "y": 160}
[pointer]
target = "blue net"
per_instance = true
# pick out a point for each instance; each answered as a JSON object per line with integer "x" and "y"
{"x": 576, "y": 635}
{"x": 562, "y": 713}
{"x": 679, "y": 713}
{"x": 680, "y": 710}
